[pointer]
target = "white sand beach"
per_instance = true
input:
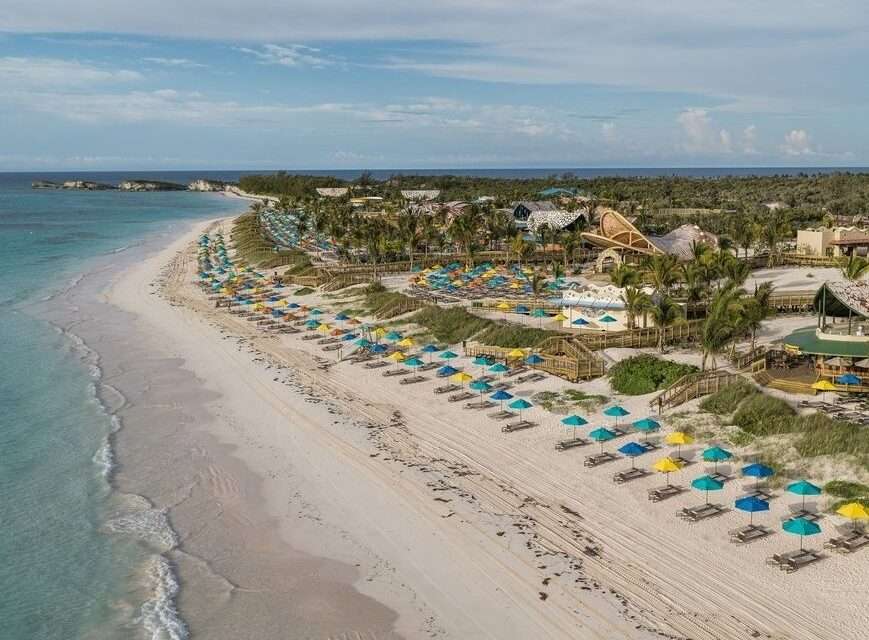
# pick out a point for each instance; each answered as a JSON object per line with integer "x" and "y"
{"x": 401, "y": 515}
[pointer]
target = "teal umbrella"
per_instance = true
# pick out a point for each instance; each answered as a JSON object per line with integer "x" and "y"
{"x": 707, "y": 484}
{"x": 499, "y": 368}
{"x": 716, "y": 455}
{"x": 430, "y": 349}
{"x": 448, "y": 355}
{"x": 601, "y": 435}
{"x": 413, "y": 362}
{"x": 803, "y": 488}
{"x": 802, "y": 528}
{"x": 482, "y": 386}
{"x": 393, "y": 336}
{"x": 646, "y": 425}
{"x": 539, "y": 314}
{"x": 520, "y": 405}
{"x": 481, "y": 361}
{"x": 533, "y": 359}
{"x": 574, "y": 421}
{"x": 616, "y": 412}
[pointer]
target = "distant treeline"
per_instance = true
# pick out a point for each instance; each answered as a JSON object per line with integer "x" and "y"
{"x": 838, "y": 193}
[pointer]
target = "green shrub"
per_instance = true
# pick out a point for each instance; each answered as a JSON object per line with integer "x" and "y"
{"x": 646, "y": 373}
{"x": 727, "y": 400}
{"x": 303, "y": 291}
{"x": 847, "y": 490}
{"x": 763, "y": 415}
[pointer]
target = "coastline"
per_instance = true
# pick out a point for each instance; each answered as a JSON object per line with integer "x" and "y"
{"x": 465, "y": 535}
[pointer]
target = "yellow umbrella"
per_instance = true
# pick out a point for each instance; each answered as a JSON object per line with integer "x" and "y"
{"x": 324, "y": 328}
{"x": 824, "y": 385}
{"x": 398, "y": 356}
{"x": 515, "y": 285}
{"x": 380, "y": 332}
{"x": 678, "y": 438}
{"x": 853, "y": 511}
{"x": 667, "y": 466}
{"x": 407, "y": 342}
{"x": 283, "y": 303}
{"x": 504, "y": 306}
{"x": 559, "y": 317}
{"x": 516, "y": 353}
{"x": 461, "y": 377}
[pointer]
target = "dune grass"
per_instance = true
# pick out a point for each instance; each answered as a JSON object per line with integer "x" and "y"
{"x": 727, "y": 400}
{"x": 455, "y": 325}
{"x": 646, "y": 373}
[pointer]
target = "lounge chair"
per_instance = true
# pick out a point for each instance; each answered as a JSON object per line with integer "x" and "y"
{"x": 480, "y": 404}
{"x": 805, "y": 514}
{"x": 502, "y": 386}
{"x": 447, "y": 388}
{"x": 429, "y": 366}
{"x": 502, "y": 415}
{"x": 598, "y": 459}
{"x": 516, "y": 371}
{"x": 536, "y": 377}
{"x": 665, "y": 492}
{"x": 722, "y": 478}
{"x": 461, "y": 397}
{"x": 650, "y": 446}
{"x": 799, "y": 561}
{"x": 564, "y": 445}
{"x": 376, "y": 365}
{"x": 391, "y": 373}
{"x": 311, "y": 336}
{"x": 848, "y": 543}
{"x": 413, "y": 380}
{"x": 332, "y": 347}
{"x": 517, "y": 426}
{"x": 760, "y": 494}
{"x": 749, "y": 533}
{"x": 701, "y": 512}
{"x": 629, "y": 474}
{"x": 778, "y": 559}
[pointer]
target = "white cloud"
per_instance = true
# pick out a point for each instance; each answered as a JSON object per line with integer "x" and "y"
{"x": 22, "y": 72}
{"x": 608, "y": 131}
{"x": 700, "y": 135}
{"x": 797, "y": 143}
{"x": 183, "y": 63}
{"x": 293, "y": 55}
{"x": 749, "y": 140}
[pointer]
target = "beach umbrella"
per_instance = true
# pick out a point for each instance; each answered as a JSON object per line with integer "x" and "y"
{"x": 393, "y": 336}
{"x": 707, "y": 484}
{"x": 853, "y": 511}
{"x": 757, "y": 471}
{"x": 606, "y": 319}
{"x": 461, "y": 377}
{"x": 413, "y": 362}
{"x": 349, "y": 336}
{"x": 574, "y": 421}
{"x": 538, "y": 313}
{"x": 580, "y": 322}
{"x": 667, "y": 466}
{"x": 803, "y": 488}
{"x": 802, "y": 528}
{"x": 481, "y": 361}
{"x": 533, "y": 359}
{"x": 316, "y": 312}
{"x": 752, "y": 504}
{"x": 678, "y": 438}
{"x": 324, "y": 328}
{"x": 312, "y": 324}
{"x": 632, "y": 450}
{"x": 515, "y": 353}
{"x": 405, "y": 343}
{"x": 521, "y": 308}
{"x": 824, "y": 386}
{"x": 499, "y": 367}
{"x": 430, "y": 349}
{"x": 379, "y": 332}
{"x": 601, "y": 435}
{"x": 848, "y": 378}
{"x": 646, "y": 425}
{"x": 448, "y": 355}
{"x": 503, "y": 307}
{"x": 716, "y": 455}
{"x": 617, "y": 412}
{"x": 559, "y": 317}
{"x": 520, "y": 405}
{"x": 500, "y": 395}
{"x": 363, "y": 342}
{"x": 378, "y": 348}
{"x": 482, "y": 386}
{"x": 293, "y": 305}
{"x": 446, "y": 371}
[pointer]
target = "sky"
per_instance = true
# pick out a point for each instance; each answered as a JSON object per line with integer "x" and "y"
{"x": 334, "y": 84}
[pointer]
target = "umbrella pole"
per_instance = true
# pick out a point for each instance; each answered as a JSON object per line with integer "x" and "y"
{"x": 751, "y": 518}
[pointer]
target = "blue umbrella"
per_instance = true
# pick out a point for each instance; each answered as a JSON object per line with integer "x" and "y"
{"x": 500, "y": 395}
{"x": 757, "y": 471}
{"x": 707, "y": 484}
{"x": 378, "y": 348}
{"x": 848, "y": 378}
{"x": 533, "y": 359}
{"x": 430, "y": 348}
{"x": 293, "y": 305}
{"x": 447, "y": 371}
{"x": 349, "y": 336}
{"x": 632, "y": 450}
{"x": 341, "y": 317}
{"x": 752, "y": 505}
{"x": 801, "y": 527}
{"x": 580, "y": 322}
{"x": 521, "y": 308}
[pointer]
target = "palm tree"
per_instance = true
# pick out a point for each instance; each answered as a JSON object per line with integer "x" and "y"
{"x": 463, "y": 231}
{"x": 743, "y": 233}
{"x": 723, "y": 323}
{"x": 408, "y": 231}
{"x": 636, "y": 302}
{"x": 428, "y": 233}
{"x": 695, "y": 287}
{"x": 538, "y": 282}
{"x": 664, "y": 313}
{"x": 557, "y": 270}
{"x": 624, "y": 276}
{"x": 855, "y": 268}
{"x": 755, "y": 310}
{"x": 517, "y": 244}
{"x": 569, "y": 243}
{"x": 736, "y": 271}
{"x": 663, "y": 269}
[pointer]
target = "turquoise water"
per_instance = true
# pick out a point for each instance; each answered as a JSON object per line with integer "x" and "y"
{"x": 65, "y": 572}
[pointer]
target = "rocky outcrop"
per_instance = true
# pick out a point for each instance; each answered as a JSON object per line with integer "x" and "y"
{"x": 150, "y": 185}
{"x": 45, "y": 184}
{"x": 208, "y": 185}
{"x": 86, "y": 185}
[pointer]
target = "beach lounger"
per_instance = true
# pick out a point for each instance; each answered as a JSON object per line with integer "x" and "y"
{"x": 701, "y": 512}
{"x": 331, "y": 347}
{"x": 447, "y": 388}
{"x": 516, "y": 371}
{"x": 311, "y": 336}
{"x": 564, "y": 445}
{"x": 502, "y": 386}
{"x": 523, "y": 379}
{"x": 413, "y": 380}
{"x": 760, "y": 494}
{"x": 650, "y": 446}
{"x": 598, "y": 459}
{"x": 377, "y": 364}
{"x": 536, "y": 377}
{"x": 518, "y": 426}
{"x": 748, "y": 533}
{"x": 778, "y": 559}
{"x": 502, "y": 415}
{"x": 629, "y": 474}
{"x": 849, "y": 543}
{"x": 665, "y": 493}
{"x": 720, "y": 477}
{"x": 480, "y": 404}
{"x": 805, "y": 514}
{"x": 461, "y": 397}
{"x": 396, "y": 372}
{"x": 799, "y": 561}
{"x": 429, "y": 366}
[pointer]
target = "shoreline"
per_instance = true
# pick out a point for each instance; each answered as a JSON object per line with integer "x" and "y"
{"x": 532, "y": 546}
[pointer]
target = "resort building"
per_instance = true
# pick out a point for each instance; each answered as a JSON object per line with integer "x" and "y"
{"x": 617, "y": 233}
{"x": 523, "y": 210}
{"x": 595, "y": 308}
{"x": 556, "y": 220}
{"x": 838, "y": 344}
{"x": 332, "y": 192}
{"x": 832, "y": 243}
{"x": 420, "y": 195}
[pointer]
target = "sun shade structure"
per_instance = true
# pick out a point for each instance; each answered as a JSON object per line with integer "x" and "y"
{"x": 824, "y": 385}
{"x": 678, "y": 438}
{"x": 601, "y": 435}
{"x": 499, "y": 368}
{"x": 516, "y": 353}
{"x": 632, "y": 450}
{"x": 461, "y": 377}
{"x": 500, "y": 395}
{"x": 802, "y": 528}
{"x": 751, "y": 505}
{"x": 533, "y": 359}
{"x": 520, "y": 405}
{"x": 667, "y": 466}
{"x": 616, "y": 411}
{"x": 447, "y": 370}
{"x": 853, "y": 511}
{"x": 448, "y": 355}
{"x": 707, "y": 484}
{"x": 716, "y": 455}
{"x": 803, "y": 488}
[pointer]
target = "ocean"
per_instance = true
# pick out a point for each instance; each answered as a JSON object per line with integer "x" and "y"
{"x": 78, "y": 559}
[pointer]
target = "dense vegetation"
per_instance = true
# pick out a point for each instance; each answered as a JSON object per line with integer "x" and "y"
{"x": 644, "y": 374}
{"x": 726, "y": 401}
{"x": 455, "y": 325}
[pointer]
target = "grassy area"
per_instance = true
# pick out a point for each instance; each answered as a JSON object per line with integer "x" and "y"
{"x": 763, "y": 415}
{"x": 303, "y": 291}
{"x": 726, "y": 401}
{"x": 646, "y": 373}
{"x": 455, "y": 325}
{"x": 847, "y": 492}
{"x": 254, "y": 249}
{"x": 568, "y": 400}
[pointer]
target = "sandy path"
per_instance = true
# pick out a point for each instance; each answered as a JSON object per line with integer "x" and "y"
{"x": 521, "y": 519}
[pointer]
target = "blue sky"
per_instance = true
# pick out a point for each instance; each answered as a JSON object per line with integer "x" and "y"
{"x": 453, "y": 83}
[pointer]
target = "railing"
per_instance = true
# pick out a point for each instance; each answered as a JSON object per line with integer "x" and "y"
{"x": 693, "y": 386}
{"x": 641, "y": 337}
{"x": 793, "y": 258}
{"x": 573, "y": 368}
